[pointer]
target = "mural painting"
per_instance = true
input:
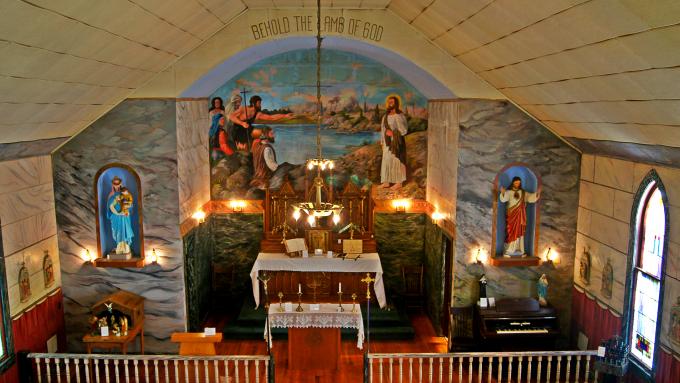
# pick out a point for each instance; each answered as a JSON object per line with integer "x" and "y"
{"x": 584, "y": 266}
{"x": 674, "y": 330}
{"x": 119, "y": 233}
{"x": 607, "y": 279}
{"x": 263, "y": 126}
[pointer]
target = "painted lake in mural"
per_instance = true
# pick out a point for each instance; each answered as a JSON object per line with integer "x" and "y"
{"x": 296, "y": 143}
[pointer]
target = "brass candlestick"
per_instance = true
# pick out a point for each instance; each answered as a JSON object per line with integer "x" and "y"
{"x": 299, "y": 308}
{"x": 340, "y": 309}
{"x": 280, "y": 295}
{"x": 354, "y": 303}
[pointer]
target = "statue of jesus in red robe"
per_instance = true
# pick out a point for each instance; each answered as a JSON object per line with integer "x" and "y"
{"x": 516, "y": 199}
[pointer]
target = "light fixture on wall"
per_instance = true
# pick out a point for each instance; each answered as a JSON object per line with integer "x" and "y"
{"x": 437, "y": 216}
{"x": 153, "y": 257}
{"x": 481, "y": 257}
{"x": 237, "y": 206}
{"x": 317, "y": 208}
{"x": 199, "y": 216}
{"x": 401, "y": 205}
{"x": 87, "y": 256}
{"x": 551, "y": 256}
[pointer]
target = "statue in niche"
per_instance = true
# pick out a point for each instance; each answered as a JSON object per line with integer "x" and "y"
{"x": 584, "y": 266}
{"x": 607, "y": 279}
{"x": 119, "y": 212}
{"x": 674, "y": 328}
{"x": 48, "y": 270}
{"x": 516, "y": 200}
{"x": 24, "y": 283}
{"x": 120, "y": 207}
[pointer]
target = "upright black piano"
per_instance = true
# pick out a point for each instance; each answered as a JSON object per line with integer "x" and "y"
{"x": 517, "y": 324}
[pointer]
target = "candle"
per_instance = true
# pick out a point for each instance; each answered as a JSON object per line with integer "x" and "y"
{"x": 299, "y": 288}
{"x": 340, "y": 287}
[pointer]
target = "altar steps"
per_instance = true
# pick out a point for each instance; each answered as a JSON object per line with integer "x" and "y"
{"x": 385, "y": 325}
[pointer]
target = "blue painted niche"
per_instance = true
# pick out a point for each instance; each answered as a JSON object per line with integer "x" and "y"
{"x": 530, "y": 182}
{"x": 103, "y": 186}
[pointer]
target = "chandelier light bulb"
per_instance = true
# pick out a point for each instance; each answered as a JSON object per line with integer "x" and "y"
{"x": 310, "y": 165}
{"x": 331, "y": 165}
{"x": 336, "y": 219}
{"x": 311, "y": 220}
{"x": 296, "y": 214}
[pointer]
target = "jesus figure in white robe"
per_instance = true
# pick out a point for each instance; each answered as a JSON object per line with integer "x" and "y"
{"x": 392, "y": 131}
{"x": 516, "y": 199}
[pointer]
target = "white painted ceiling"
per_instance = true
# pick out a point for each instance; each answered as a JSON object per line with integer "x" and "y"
{"x": 596, "y": 69}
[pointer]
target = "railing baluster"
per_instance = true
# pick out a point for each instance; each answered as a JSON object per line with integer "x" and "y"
{"x": 257, "y": 371}
{"x": 389, "y": 366}
{"x": 49, "y": 372}
{"x": 401, "y": 370}
{"x": 460, "y": 369}
{"x": 510, "y": 369}
{"x": 58, "y": 363}
{"x": 37, "y": 369}
{"x": 155, "y": 371}
{"x": 548, "y": 377}
{"x": 146, "y": 369}
{"x": 216, "y": 367}
{"x": 247, "y": 372}
{"x": 578, "y": 369}
{"x": 381, "y": 369}
{"x": 115, "y": 367}
{"x": 500, "y": 369}
{"x": 76, "y": 362}
{"x": 480, "y": 368}
{"x": 587, "y": 372}
{"x": 441, "y": 369}
{"x": 186, "y": 371}
{"x": 470, "y": 369}
{"x": 431, "y": 361}
{"x": 420, "y": 370}
{"x": 196, "y": 376}
{"x": 450, "y": 369}
{"x": 226, "y": 370}
{"x": 167, "y": 375}
{"x": 529, "y": 363}
{"x": 88, "y": 371}
{"x": 540, "y": 365}
{"x": 519, "y": 369}
{"x": 566, "y": 379}
{"x": 236, "y": 371}
{"x": 558, "y": 375}
{"x": 490, "y": 366}
{"x": 176, "y": 363}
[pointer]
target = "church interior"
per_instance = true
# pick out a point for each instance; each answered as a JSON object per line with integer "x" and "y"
{"x": 340, "y": 191}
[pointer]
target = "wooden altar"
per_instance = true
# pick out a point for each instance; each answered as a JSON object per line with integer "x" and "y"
{"x": 279, "y": 223}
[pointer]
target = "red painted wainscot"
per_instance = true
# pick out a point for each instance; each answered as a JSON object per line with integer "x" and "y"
{"x": 34, "y": 327}
{"x": 599, "y": 324}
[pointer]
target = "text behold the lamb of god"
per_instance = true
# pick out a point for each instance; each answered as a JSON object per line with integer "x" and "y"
{"x": 284, "y": 25}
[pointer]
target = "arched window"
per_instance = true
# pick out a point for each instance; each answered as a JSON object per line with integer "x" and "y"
{"x": 646, "y": 267}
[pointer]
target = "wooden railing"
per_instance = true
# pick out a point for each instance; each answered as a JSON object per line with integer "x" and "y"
{"x": 481, "y": 367}
{"x": 100, "y": 368}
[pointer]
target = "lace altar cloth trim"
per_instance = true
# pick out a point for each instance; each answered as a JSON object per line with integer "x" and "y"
{"x": 326, "y": 317}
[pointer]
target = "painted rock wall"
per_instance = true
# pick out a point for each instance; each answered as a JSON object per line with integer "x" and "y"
{"x": 141, "y": 134}
{"x": 494, "y": 134}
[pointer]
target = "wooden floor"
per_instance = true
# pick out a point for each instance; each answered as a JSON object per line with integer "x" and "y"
{"x": 351, "y": 363}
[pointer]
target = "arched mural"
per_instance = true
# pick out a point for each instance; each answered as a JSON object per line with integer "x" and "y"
{"x": 355, "y": 97}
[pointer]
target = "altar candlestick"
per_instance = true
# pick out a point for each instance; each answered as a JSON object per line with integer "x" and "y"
{"x": 340, "y": 287}
{"x": 299, "y": 288}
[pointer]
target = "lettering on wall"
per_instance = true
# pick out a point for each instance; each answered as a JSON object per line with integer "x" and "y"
{"x": 350, "y": 26}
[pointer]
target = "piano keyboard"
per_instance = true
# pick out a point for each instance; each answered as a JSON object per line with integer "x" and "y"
{"x": 523, "y": 331}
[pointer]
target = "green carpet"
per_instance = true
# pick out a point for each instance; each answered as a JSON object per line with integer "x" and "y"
{"x": 385, "y": 325}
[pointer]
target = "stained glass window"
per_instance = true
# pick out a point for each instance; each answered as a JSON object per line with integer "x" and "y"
{"x": 651, "y": 224}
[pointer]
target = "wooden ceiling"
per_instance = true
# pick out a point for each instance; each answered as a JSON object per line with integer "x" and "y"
{"x": 592, "y": 69}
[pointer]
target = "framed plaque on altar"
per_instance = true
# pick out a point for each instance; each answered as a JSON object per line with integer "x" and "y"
{"x": 352, "y": 246}
{"x": 295, "y": 246}
{"x": 319, "y": 239}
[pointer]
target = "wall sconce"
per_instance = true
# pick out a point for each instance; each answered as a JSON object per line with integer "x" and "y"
{"x": 237, "y": 206}
{"x": 199, "y": 216}
{"x": 153, "y": 257}
{"x": 437, "y": 216}
{"x": 482, "y": 256}
{"x": 401, "y": 205}
{"x": 87, "y": 256}
{"x": 552, "y": 256}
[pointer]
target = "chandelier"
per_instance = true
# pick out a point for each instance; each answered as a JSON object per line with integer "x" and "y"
{"x": 317, "y": 208}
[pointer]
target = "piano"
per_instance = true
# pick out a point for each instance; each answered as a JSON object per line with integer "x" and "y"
{"x": 517, "y": 324}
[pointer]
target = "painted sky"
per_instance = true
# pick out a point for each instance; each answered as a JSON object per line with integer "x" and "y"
{"x": 289, "y": 80}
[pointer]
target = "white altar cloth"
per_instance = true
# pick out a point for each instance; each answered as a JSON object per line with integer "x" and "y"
{"x": 326, "y": 317}
{"x": 367, "y": 263}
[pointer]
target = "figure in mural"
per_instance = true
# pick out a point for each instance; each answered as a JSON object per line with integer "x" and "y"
{"x": 542, "y": 288}
{"x": 222, "y": 130}
{"x": 516, "y": 199}
{"x": 393, "y": 128}
{"x": 216, "y": 106}
{"x": 264, "y": 161}
{"x": 584, "y": 266}
{"x": 48, "y": 270}
{"x": 674, "y": 328}
{"x": 24, "y": 283}
{"x": 245, "y": 116}
{"x": 119, "y": 210}
{"x": 607, "y": 279}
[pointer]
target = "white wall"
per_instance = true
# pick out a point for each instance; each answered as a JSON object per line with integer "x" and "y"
{"x": 607, "y": 190}
{"x": 28, "y": 226}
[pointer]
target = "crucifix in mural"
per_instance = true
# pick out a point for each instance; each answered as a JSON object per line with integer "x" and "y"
{"x": 373, "y": 125}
